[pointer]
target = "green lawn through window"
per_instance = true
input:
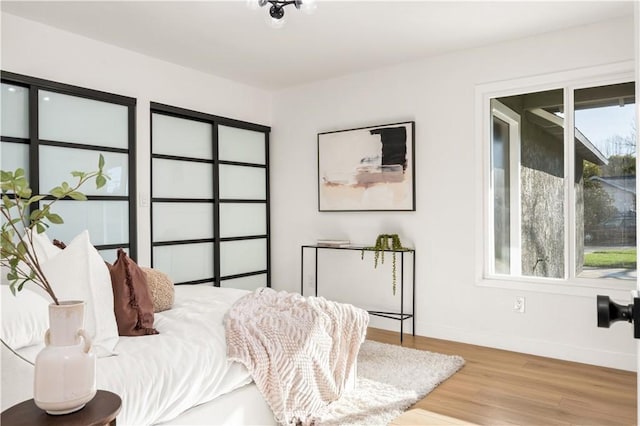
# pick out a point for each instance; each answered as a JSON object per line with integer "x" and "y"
{"x": 625, "y": 258}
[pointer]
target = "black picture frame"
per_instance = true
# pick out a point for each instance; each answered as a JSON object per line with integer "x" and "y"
{"x": 367, "y": 169}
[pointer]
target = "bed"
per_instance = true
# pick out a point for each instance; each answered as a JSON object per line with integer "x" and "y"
{"x": 181, "y": 376}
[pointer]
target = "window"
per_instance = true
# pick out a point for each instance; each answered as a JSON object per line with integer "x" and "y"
{"x": 558, "y": 210}
{"x": 51, "y": 129}
{"x": 605, "y": 203}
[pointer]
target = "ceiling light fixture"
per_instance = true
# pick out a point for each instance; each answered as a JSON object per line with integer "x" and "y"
{"x": 276, "y": 11}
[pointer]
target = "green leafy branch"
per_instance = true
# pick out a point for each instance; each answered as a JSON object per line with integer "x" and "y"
{"x": 20, "y": 219}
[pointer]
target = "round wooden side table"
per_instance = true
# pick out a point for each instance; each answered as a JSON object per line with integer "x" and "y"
{"x": 100, "y": 411}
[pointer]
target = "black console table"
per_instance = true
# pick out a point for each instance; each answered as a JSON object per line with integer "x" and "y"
{"x": 400, "y": 316}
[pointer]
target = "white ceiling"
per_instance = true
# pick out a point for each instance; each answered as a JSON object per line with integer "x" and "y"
{"x": 227, "y": 39}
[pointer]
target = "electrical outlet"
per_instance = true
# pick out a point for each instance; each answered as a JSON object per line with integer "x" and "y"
{"x": 519, "y": 304}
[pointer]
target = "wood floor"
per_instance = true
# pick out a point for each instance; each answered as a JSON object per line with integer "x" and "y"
{"x": 497, "y": 387}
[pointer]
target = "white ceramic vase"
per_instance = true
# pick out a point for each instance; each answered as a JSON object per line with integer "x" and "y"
{"x": 65, "y": 371}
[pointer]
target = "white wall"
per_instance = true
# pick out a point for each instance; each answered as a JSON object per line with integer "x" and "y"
{"x": 42, "y": 51}
{"x": 439, "y": 94}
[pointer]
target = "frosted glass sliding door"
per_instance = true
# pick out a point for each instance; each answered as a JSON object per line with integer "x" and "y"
{"x": 14, "y": 155}
{"x": 53, "y": 171}
{"x": 79, "y": 120}
{"x": 182, "y": 221}
{"x": 52, "y": 129}
{"x": 242, "y": 219}
{"x": 241, "y": 145}
{"x": 244, "y": 207}
{"x": 14, "y": 147}
{"x": 239, "y": 182}
{"x": 210, "y": 198}
{"x": 239, "y": 257}
{"x": 106, "y": 220}
{"x": 15, "y": 111}
{"x": 185, "y": 262}
{"x": 172, "y": 177}
{"x": 250, "y": 282}
{"x": 182, "y": 189}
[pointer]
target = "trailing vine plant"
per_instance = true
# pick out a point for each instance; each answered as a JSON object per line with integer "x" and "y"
{"x": 386, "y": 242}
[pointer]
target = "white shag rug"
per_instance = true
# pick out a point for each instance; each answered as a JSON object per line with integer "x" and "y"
{"x": 390, "y": 379}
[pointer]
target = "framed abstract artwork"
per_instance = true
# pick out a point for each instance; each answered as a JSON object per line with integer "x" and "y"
{"x": 367, "y": 169}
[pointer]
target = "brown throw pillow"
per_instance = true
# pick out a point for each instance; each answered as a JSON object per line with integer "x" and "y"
{"x": 60, "y": 244}
{"x": 131, "y": 298}
{"x": 161, "y": 289}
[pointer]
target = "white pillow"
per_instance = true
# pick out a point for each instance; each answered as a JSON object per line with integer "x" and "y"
{"x": 79, "y": 273}
{"x": 25, "y": 317}
{"x": 44, "y": 250}
{"x": 43, "y": 247}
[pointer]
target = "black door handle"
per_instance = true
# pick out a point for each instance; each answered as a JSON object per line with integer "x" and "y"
{"x": 610, "y": 312}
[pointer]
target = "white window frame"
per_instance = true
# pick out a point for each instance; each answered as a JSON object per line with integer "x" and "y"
{"x": 506, "y": 114}
{"x": 568, "y": 81}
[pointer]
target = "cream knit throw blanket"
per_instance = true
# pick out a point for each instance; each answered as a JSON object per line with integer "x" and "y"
{"x": 298, "y": 350}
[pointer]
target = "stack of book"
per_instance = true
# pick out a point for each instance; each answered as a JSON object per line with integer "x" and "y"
{"x": 333, "y": 243}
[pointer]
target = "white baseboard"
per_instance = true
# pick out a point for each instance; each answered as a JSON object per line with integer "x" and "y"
{"x": 549, "y": 349}
{"x": 545, "y": 348}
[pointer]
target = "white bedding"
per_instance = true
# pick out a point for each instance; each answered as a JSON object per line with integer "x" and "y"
{"x": 161, "y": 376}
{"x": 183, "y": 366}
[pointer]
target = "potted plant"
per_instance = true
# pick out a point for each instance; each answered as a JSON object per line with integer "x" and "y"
{"x": 20, "y": 220}
{"x": 386, "y": 242}
{"x": 64, "y": 375}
